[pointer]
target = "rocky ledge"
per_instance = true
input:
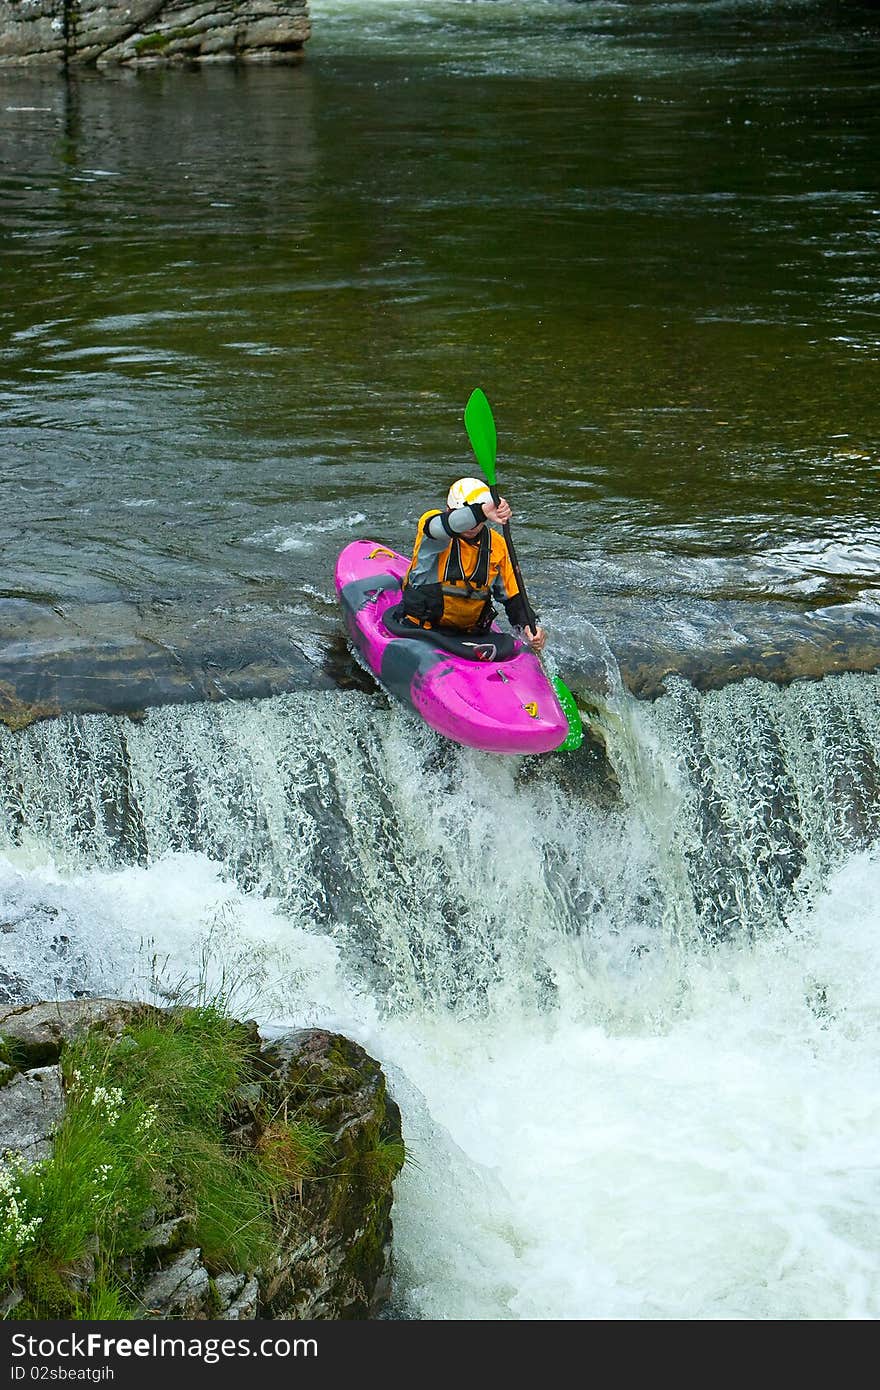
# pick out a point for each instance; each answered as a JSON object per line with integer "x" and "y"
{"x": 108, "y": 32}
{"x": 97, "y": 1226}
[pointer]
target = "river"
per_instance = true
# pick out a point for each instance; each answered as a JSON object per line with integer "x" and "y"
{"x": 628, "y": 998}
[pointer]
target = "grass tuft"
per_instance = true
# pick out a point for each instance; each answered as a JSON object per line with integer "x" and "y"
{"x": 143, "y": 1131}
{"x": 292, "y": 1150}
{"x": 384, "y": 1161}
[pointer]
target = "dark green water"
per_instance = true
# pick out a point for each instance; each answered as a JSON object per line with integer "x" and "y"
{"x": 242, "y": 310}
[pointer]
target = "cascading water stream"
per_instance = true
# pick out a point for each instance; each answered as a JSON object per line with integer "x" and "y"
{"x": 433, "y": 868}
{"x": 630, "y": 1019}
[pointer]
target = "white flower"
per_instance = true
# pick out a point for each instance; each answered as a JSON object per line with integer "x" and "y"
{"x": 110, "y": 1100}
{"x": 18, "y": 1229}
{"x": 147, "y": 1120}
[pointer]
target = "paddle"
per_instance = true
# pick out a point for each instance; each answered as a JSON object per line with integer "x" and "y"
{"x": 480, "y": 425}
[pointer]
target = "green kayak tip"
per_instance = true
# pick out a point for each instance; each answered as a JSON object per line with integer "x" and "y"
{"x": 575, "y": 736}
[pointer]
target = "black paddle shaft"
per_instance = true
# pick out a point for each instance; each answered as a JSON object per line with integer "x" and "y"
{"x": 530, "y": 612}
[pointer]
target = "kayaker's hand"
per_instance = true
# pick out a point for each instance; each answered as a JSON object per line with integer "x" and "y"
{"x": 536, "y": 639}
{"x": 500, "y": 513}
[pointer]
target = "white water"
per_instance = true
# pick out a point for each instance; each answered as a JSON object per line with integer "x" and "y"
{"x": 539, "y": 38}
{"x": 621, "y": 1104}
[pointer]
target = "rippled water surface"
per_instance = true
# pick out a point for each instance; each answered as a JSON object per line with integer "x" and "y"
{"x": 242, "y": 310}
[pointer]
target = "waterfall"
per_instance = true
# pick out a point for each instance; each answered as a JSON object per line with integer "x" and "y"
{"x": 626, "y": 998}
{"x": 451, "y": 878}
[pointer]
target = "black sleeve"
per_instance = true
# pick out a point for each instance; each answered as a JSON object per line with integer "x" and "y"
{"x": 515, "y": 608}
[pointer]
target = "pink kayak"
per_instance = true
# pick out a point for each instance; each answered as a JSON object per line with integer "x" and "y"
{"x": 498, "y": 706}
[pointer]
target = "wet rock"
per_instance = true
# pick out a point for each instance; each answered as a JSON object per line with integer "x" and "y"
{"x": 147, "y": 32}
{"x": 334, "y": 1257}
{"x": 718, "y": 643}
{"x": 126, "y": 658}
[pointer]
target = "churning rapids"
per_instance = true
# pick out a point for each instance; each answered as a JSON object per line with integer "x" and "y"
{"x": 629, "y": 1008}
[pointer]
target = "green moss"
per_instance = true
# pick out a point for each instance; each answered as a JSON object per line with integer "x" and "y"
{"x": 383, "y": 1162}
{"x": 214, "y": 1303}
{"x": 45, "y": 1288}
{"x": 151, "y": 43}
{"x": 9, "y": 1062}
{"x": 365, "y": 1258}
{"x": 155, "y": 42}
{"x": 103, "y": 1301}
{"x": 364, "y": 1172}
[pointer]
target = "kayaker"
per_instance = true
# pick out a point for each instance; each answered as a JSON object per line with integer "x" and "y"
{"x": 460, "y": 565}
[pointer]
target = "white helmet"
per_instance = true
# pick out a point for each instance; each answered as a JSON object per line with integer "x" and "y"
{"x": 466, "y": 491}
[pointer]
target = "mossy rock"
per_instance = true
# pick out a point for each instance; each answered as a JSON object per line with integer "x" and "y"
{"x": 319, "y": 1215}
{"x": 36, "y": 1034}
{"x": 151, "y": 43}
{"x": 344, "y": 1218}
{"x": 18, "y": 714}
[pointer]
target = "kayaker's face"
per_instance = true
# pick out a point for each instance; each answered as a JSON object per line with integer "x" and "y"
{"x": 474, "y": 532}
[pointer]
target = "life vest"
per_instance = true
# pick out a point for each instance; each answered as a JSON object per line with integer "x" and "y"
{"x": 461, "y": 594}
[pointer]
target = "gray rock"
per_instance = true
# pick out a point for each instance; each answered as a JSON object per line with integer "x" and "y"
{"x": 132, "y": 32}
{"x": 127, "y": 658}
{"x": 168, "y": 1236}
{"x": 36, "y": 1033}
{"x": 10, "y": 1300}
{"x": 180, "y": 1290}
{"x": 31, "y": 1108}
{"x": 249, "y": 1094}
{"x": 238, "y": 1297}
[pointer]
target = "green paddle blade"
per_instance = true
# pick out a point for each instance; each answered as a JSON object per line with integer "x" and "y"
{"x": 480, "y": 426}
{"x": 575, "y": 736}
